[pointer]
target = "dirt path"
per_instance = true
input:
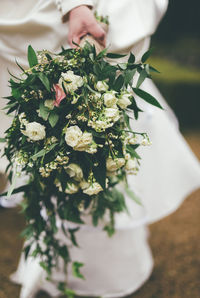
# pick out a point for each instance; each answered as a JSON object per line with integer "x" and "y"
{"x": 174, "y": 241}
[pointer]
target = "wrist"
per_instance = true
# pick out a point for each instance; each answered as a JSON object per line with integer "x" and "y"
{"x": 74, "y": 11}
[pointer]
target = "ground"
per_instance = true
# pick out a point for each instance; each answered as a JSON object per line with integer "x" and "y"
{"x": 174, "y": 242}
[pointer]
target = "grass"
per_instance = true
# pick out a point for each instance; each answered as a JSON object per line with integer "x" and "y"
{"x": 173, "y": 72}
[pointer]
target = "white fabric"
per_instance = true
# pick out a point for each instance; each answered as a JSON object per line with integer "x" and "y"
{"x": 117, "y": 266}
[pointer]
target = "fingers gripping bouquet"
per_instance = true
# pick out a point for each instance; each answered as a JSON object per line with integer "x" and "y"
{"x": 71, "y": 137}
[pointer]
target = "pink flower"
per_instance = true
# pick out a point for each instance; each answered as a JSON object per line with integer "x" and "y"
{"x": 60, "y": 94}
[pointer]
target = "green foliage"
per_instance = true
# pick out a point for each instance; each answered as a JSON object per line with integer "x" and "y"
{"x": 45, "y": 155}
{"x": 32, "y": 58}
{"x": 76, "y": 269}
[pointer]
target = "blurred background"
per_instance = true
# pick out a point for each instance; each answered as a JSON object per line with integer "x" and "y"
{"x": 175, "y": 239}
{"x": 177, "y": 56}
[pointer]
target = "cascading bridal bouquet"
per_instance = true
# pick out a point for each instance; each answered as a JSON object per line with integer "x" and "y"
{"x": 71, "y": 137}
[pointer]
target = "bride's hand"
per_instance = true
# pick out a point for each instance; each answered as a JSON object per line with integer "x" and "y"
{"x": 82, "y": 22}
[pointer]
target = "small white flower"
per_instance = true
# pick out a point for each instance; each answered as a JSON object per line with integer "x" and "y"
{"x": 114, "y": 164}
{"x": 35, "y": 131}
{"x": 124, "y": 101}
{"x": 133, "y": 140}
{"x": 73, "y": 135}
{"x": 49, "y": 103}
{"x": 109, "y": 99}
{"x": 93, "y": 189}
{"x": 101, "y": 86}
{"x": 145, "y": 142}
{"x": 127, "y": 156}
{"x": 74, "y": 171}
{"x": 71, "y": 188}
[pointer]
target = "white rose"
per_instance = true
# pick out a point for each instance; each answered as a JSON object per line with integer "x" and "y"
{"x": 112, "y": 113}
{"x": 109, "y": 99}
{"x": 84, "y": 142}
{"x": 74, "y": 171}
{"x": 114, "y": 164}
{"x": 93, "y": 189}
{"x": 71, "y": 81}
{"x": 131, "y": 164}
{"x": 84, "y": 184}
{"x": 49, "y": 104}
{"x": 35, "y": 131}
{"x": 101, "y": 86}
{"x": 71, "y": 188}
{"x": 72, "y": 135}
{"x": 124, "y": 101}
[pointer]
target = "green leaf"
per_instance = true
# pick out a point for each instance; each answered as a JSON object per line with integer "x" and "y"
{"x": 2, "y": 140}
{"x": 115, "y": 56}
{"x": 126, "y": 119}
{"x": 109, "y": 229}
{"x": 146, "y": 55}
{"x": 102, "y": 53}
{"x": 152, "y": 69}
{"x": 143, "y": 75}
{"x": 147, "y": 97}
{"x": 12, "y": 187}
{"x": 76, "y": 269}
{"x": 44, "y": 111}
{"x": 32, "y": 58}
{"x": 45, "y": 81}
{"x": 42, "y": 152}
{"x": 16, "y": 190}
{"x": 66, "y": 291}
{"x": 53, "y": 118}
{"x": 118, "y": 83}
{"x": 131, "y": 150}
{"x": 72, "y": 235}
{"x": 39, "y": 154}
{"x": 100, "y": 171}
{"x": 131, "y": 58}
{"x": 132, "y": 195}
{"x": 135, "y": 108}
{"x": 45, "y": 267}
{"x": 63, "y": 252}
{"x": 128, "y": 76}
{"x": 26, "y": 251}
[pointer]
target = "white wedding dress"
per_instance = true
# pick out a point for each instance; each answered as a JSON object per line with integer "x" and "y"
{"x": 117, "y": 266}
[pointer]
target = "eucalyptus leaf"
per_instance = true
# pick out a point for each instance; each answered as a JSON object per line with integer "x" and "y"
{"x": 146, "y": 55}
{"x": 44, "y": 111}
{"x": 147, "y": 97}
{"x": 32, "y": 57}
{"x": 45, "y": 81}
{"x": 115, "y": 56}
{"x": 128, "y": 76}
{"x": 143, "y": 75}
{"x": 118, "y": 83}
{"x": 53, "y": 118}
{"x": 131, "y": 150}
{"x": 39, "y": 154}
{"x": 131, "y": 58}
